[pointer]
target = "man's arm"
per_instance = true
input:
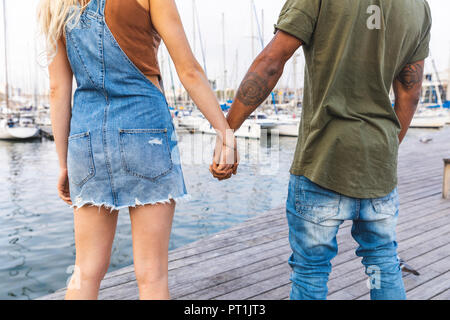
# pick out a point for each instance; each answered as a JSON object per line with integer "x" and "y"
{"x": 407, "y": 89}
{"x": 262, "y": 77}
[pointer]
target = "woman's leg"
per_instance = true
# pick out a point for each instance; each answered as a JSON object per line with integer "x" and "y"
{"x": 94, "y": 235}
{"x": 151, "y": 226}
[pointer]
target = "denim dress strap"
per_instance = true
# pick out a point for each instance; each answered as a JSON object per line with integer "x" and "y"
{"x": 101, "y": 8}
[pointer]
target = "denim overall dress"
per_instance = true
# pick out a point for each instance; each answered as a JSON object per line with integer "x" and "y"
{"x": 122, "y": 149}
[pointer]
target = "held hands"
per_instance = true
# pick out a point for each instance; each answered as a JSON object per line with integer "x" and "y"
{"x": 226, "y": 157}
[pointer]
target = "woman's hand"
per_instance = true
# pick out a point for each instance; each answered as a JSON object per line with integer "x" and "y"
{"x": 63, "y": 186}
{"x": 226, "y": 157}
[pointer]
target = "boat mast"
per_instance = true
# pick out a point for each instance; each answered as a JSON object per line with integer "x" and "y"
{"x": 448, "y": 78}
{"x": 260, "y": 29}
{"x": 36, "y": 77}
{"x": 224, "y": 58}
{"x": 260, "y": 36}
{"x": 262, "y": 25}
{"x": 194, "y": 28}
{"x": 6, "y": 57}
{"x": 200, "y": 37}
{"x": 172, "y": 82}
{"x": 252, "y": 30}
{"x": 235, "y": 77}
{"x": 439, "y": 84}
{"x": 294, "y": 64}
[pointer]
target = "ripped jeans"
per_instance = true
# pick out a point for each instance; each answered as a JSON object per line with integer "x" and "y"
{"x": 315, "y": 214}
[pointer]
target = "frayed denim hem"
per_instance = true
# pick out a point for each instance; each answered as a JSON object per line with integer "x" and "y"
{"x": 79, "y": 203}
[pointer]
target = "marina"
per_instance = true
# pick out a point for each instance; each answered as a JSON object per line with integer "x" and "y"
{"x": 249, "y": 261}
{"x": 231, "y": 240}
{"x": 27, "y": 115}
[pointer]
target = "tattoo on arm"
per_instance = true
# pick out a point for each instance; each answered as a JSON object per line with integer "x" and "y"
{"x": 253, "y": 90}
{"x": 411, "y": 75}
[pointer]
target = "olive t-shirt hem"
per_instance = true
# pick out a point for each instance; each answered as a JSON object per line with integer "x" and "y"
{"x": 352, "y": 193}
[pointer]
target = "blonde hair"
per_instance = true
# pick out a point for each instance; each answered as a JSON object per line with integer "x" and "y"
{"x": 53, "y": 17}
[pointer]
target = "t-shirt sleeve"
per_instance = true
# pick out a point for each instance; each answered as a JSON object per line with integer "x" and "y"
{"x": 423, "y": 49}
{"x": 299, "y": 18}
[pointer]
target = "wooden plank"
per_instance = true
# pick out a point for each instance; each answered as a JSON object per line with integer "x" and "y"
{"x": 182, "y": 291}
{"x": 348, "y": 267}
{"x": 442, "y": 296}
{"x": 241, "y": 288}
{"x": 256, "y": 288}
{"x": 426, "y": 264}
{"x": 434, "y": 286}
{"x": 280, "y": 293}
{"x": 213, "y": 260}
{"x": 353, "y": 281}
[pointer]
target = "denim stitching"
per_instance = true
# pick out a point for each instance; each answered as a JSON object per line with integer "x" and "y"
{"x": 79, "y": 135}
{"x": 123, "y": 158}
{"x": 90, "y": 157}
{"x": 81, "y": 60}
{"x": 93, "y": 15}
{"x": 301, "y": 208}
{"x": 101, "y": 36}
{"x": 105, "y": 148}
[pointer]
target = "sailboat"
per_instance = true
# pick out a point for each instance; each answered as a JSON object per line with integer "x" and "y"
{"x": 431, "y": 112}
{"x": 12, "y": 127}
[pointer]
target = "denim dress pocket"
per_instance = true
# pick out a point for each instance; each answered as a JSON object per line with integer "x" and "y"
{"x": 145, "y": 153}
{"x": 80, "y": 161}
{"x": 387, "y": 205}
{"x": 314, "y": 203}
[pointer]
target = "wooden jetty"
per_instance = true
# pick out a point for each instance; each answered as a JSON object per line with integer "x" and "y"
{"x": 46, "y": 132}
{"x": 249, "y": 261}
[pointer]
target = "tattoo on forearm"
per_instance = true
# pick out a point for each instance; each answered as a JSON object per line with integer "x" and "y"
{"x": 253, "y": 90}
{"x": 411, "y": 75}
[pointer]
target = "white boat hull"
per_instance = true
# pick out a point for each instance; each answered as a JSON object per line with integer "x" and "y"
{"x": 18, "y": 133}
{"x": 428, "y": 122}
{"x": 287, "y": 129}
{"x": 249, "y": 129}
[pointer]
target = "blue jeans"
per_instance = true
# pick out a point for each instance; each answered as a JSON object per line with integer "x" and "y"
{"x": 314, "y": 215}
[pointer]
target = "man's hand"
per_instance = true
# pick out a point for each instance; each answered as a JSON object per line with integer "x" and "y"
{"x": 226, "y": 157}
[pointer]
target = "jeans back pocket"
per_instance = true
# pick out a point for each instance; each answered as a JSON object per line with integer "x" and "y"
{"x": 315, "y": 203}
{"x": 145, "y": 153}
{"x": 387, "y": 205}
{"x": 80, "y": 160}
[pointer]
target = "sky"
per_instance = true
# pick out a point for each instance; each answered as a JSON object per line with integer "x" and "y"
{"x": 25, "y": 47}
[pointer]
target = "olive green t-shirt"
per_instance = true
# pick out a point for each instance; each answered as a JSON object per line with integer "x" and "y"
{"x": 354, "y": 49}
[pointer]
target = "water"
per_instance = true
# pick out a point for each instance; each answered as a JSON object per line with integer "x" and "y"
{"x": 36, "y": 227}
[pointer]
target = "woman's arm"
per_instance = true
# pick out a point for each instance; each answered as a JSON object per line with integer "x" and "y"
{"x": 60, "y": 113}
{"x": 60, "y": 101}
{"x": 167, "y": 22}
